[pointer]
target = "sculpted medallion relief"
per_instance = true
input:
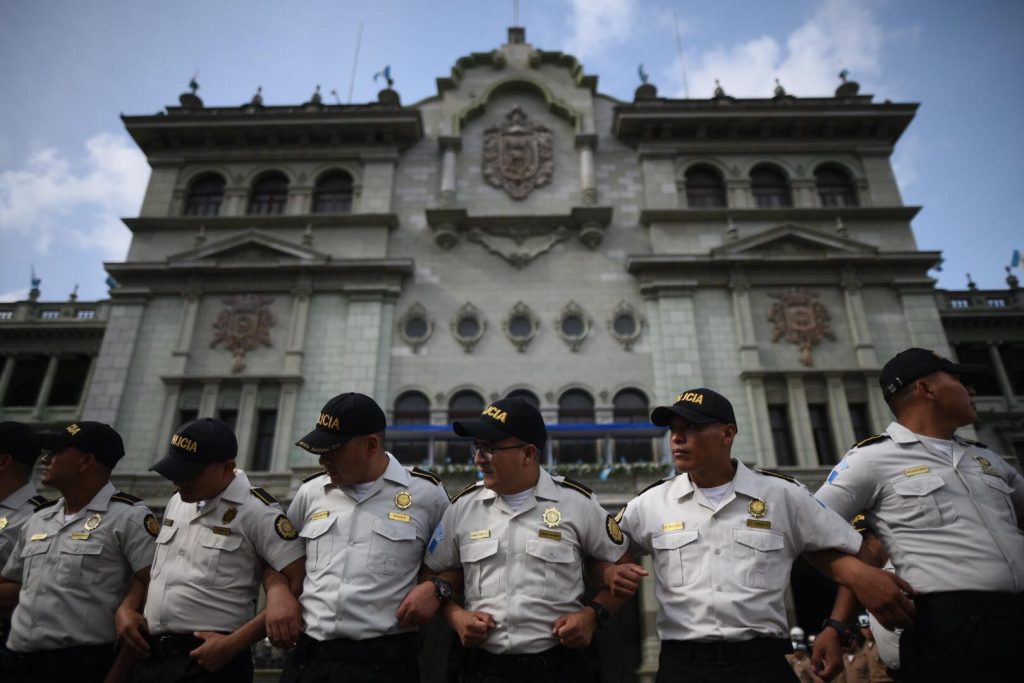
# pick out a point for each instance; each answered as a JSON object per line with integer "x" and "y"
{"x": 800, "y": 319}
{"x": 518, "y": 156}
{"x": 242, "y": 326}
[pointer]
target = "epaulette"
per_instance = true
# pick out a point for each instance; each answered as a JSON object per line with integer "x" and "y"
{"x": 466, "y": 490}
{"x": 38, "y": 502}
{"x": 575, "y": 485}
{"x": 122, "y": 497}
{"x": 314, "y": 476}
{"x": 651, "y": 486}
{"x": 47, "y": 504}
{"x": 263, "y": 495}
{"x": 424, "y": 474}
{"x": 779, "y": 475}
{"x": 870, "y": 440}
{"x": 975, "y": 443}
{"x": 859, "y": 523}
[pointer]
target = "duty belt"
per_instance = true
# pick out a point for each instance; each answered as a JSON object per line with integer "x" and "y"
{"x": 382, "y": 648}
{"x": 722, "y": 651}
{"x": 166, "y": 645}
{"x": 522, "y": 666}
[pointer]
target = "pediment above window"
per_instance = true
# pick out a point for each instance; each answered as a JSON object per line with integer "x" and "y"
{"x": 793, "y": 240}
{"x": 251, "y": 246}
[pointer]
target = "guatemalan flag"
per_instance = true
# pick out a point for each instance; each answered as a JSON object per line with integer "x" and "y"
{"x": 1015, "y": 261}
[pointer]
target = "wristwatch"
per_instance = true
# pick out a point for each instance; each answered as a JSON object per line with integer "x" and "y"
{"x": 844, "y": 630}
{"x": 442, "y": 589}
{"x": 603, "y": 615}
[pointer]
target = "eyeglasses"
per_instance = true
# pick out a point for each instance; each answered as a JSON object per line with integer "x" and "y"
{"x": 487, "y": 451}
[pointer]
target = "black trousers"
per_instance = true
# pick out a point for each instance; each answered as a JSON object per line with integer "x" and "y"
{"x": 964, "y": 636}
{"x": 557, "y": 665}
{"x": 762, "y": 660}
{"x": 169, "y": 662}
{"x": 388, "y": 659}
{"x": 83, "y": 664}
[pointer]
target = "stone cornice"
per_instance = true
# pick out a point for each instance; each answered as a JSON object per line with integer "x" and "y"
{"x": 269, "y": 223}
{"x": 852, "y": 213}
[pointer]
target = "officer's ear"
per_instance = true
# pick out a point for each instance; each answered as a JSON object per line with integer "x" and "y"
{"x": 532, "y": 452}
{"x": 728, "y": 433}
{"x": 374, "y": 444}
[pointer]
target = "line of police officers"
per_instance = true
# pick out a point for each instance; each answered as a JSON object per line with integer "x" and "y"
{"x": 369, "y": 550}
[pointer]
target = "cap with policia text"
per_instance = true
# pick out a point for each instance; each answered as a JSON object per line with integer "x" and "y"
{"x": 344, "y": 417}
{"x": 98, "y": 439}
{"x": 914, "y": 363}
{"x": 20, "y": 442}
{"x": 502, "y": 419}
{"x": 699, "y": 406}
{"x": 194, "y": 445}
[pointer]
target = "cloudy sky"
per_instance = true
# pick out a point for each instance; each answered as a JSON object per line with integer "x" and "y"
{"x": 69, "y": 173}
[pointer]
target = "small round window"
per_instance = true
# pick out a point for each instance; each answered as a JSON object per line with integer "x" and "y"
{"x": 624, "y": 325}
{"x": 468, "y": 327}
{"x": 415, "y": 327}
{"x": 521, "y": 325}
{"x": 573, "y": 325}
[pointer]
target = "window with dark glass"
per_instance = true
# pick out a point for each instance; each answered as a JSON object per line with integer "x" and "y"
{"x": 468, "y": 327}
{"x": 186, "y": 415}
{"x": 26, "y": 380}
{"x": 411, "y": 408}
{"x": 70, "y": 381}
{"x": 704, "y": 188}
{"x": 835, "y": 188}
{"x": 205, "y": 196}
{"x": 981, "y": 376}
{"x": 525, "y": 395}
{"x": 821, "y": 432}
{"x": 575, "y": 406}
{"x": 770, "y": 188}
{"x": 465, "y": 405}
{"x": 269, "y": 195}
{"x": 263, "y": 453}
{"x": 859, "y": 420}
{"x": 782, "y": 437}
{"x": 1012, "y": 354}
{"x": 228, "y": 416}
{"x": 630, "y": 405}
{"x": 333, "y": 193}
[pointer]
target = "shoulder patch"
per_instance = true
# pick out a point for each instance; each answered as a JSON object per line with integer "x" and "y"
{"x": 263, "y": 495}
{"x": 314, "y": 476}
{"x": 39, "y": 502}
{"x": 877, "y": 438}
{"x": 466, "y": 490}
{"x": 47, "y": 504}
{"x": 575, "y": 485}
{"x": 425, "y": 474}
{"x": 651, "y": 486}
{"x": 975, "y": 443}
{"x": 122, "y": 497}
{"x": 779, "y": 475}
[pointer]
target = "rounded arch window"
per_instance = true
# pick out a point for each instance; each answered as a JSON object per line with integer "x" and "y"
{"x": 835, "y": 187}
{"x": 770, "y": 188}
{"x": 525, "y": 395}
{"x": 333, "y": 193}
{"x": 576, "y": 406}
{"x": 632, "y": 406}
{"x": 465, "y": 405}
{"x": 269, "y": 195}
{"x": 411, "y": 408}
{"x": 205, "y": 195}
{"x": 704, "y": 188}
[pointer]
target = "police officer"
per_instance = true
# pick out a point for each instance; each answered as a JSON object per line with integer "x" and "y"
{"x": 74, "y": 559}
{"x": 365, "y": 521}
{"x": 217, "y": 534}
{"x": 723, "y": 539}
{"x": 947, "y": 511}
{"x": 520, "y": 537}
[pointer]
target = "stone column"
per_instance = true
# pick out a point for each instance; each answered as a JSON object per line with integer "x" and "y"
{"x": 856, "y": 316}
{"x": 839, "y": 414}
{"x": 450, "y": 146}
{"x": 800, "y": 423}
{"x": 804, "y": 193}
{"x": 300, "y": 200}
{"x": 283, "y": 437}
{"x": 881, "y": 416}
{"x": 5, "y": 376}
{"x": 208, "y": 399}
{"x": 761, "y": 427}
{"x": 85, "y": 387}
{"x": 245, "y": 428}
{"x": 749, "y": 357}
{"x": 168, "y": 419}
{"x": 185, "y": 331}
{"x": 178, "y": 202}
{"x": 738, "y": 194}
{"x": 235, "y": 201}
{"x": 44, "y": 390}
{"x": 588, "y": 186}
{"x": 1004, "y": 380}
{"x": 297, "y": 329}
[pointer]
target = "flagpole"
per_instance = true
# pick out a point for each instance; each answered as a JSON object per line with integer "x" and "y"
{"x": 355, "y": 62}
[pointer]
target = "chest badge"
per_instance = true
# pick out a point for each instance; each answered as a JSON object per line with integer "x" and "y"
{"x": 229, "y": 515}
{"x": 93, "y": 522}
{"x": 552, "y": 517}
{"x": 757, "y": 508}
{"x": 403, "y": 499}
{"x": 152, "y": 526}
{"x": 3, "y": 522}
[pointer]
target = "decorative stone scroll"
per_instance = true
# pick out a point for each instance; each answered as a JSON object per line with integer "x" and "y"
{"x": 801, "y": 320}
{"x": 518, "y": 156}
{"x": 242, "y": 326}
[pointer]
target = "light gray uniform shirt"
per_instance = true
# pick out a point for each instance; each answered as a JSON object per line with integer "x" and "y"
{"x": 363, "y": 557}
{"x": 209, "y": 561}
{"x": 721, "y": 574}
{"x": 949, "y": 523}
{"x": 74, "y": 574}
{"x": 524, "y": 567}
{"x": 15, "y": 510}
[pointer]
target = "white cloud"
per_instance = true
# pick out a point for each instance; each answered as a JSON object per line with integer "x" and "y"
{"x": 596, "y": 25}
{"x": 839, "y": 34}
{"x": 14, "y": 295}
{"x": 50, "y": 198}
{"x": 904, "y": 161}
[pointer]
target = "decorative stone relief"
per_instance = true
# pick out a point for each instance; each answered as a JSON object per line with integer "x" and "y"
{"x": 415, "y": 327}
{"x": 518, "y": 244}
{"x": 242, "y": 326}
{"x": 573, "y": 325}
{"x": 800, "y": 320}
{"x": 518, "y": 156}
{"x": 520, "y": 326}
{"x": 468, "y": 327}
{"x": 625, "y": 323}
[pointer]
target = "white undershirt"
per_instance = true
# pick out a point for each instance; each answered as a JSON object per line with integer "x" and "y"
{"x": 716, "y": 495}
{"x": 360, "y": 490}
{"x": 944, "y": 446}
{"x": 516, "y": 500}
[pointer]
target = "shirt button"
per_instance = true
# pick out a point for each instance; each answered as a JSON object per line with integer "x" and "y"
{"x": 718, "y": 551}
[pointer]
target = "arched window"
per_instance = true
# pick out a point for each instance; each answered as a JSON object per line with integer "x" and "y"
{"x": 333, "y": 193}
{"x": 465, "y": 405}
{"x": 269, "y": 195}
{"x": 630, "y": 405}
{"x": 205, "y": 195}
{"x": 835, "y": 188}
{"x": 576, "y": 406}
{"x": 704, "y": 188}
{"x": 525, "y": 395}
{"x": 770, "y": 188}
{"x": 411, "y": 408}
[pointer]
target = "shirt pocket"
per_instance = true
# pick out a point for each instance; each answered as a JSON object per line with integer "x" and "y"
{"x": 758, "y": 560}
{"x": 77, "y": 562}
{"x": 163, "y": 546}
{"x": 677, "y": 556}
{"x": 924, "y": 501}
{"x": 1000, "y": 495}
{"x": 481, "y": 574}
{"x": 33, "y": 557}
{"x": 393, "y": 549}
{"x": 319, "y": 543}
{"x": 551, "y": 569}
{"x": 213, "y": 559}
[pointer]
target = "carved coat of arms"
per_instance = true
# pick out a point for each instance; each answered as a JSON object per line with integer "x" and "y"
{"x": 242, "y": 326}
{"x": 518, "y": 156}
{"x": 800, "y": 319}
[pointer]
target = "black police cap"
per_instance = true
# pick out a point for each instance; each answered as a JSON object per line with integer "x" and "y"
{"x": 344, "y": 417}
{"x": 20, "y": 442}
{"x": 101, "y": 440}
{"x": 914, "y": 363}
{"x": 193, "y": 446}
{"x": 699, "y": 406}
{"x": 508, "y": 417}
